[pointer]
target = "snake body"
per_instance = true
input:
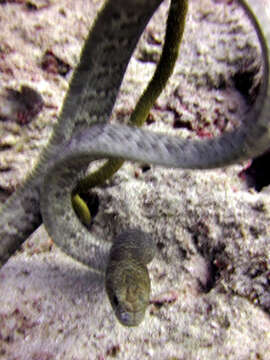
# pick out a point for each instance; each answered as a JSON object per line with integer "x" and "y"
{"x": 82, "y": 135}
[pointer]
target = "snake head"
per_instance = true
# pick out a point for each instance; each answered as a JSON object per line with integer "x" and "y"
{"x": 128, "y": 288}
{"x": 127, "y": 280}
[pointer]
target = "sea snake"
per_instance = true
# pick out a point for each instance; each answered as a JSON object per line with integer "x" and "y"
{"x": 83, "y": 135}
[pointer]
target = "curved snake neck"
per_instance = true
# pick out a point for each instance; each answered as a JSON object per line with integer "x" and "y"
{"x": 119, "y": 141}
{"x": 82, "y": 135}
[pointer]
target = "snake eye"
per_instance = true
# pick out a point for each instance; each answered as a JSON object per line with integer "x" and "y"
{"x": 115, "y": 300}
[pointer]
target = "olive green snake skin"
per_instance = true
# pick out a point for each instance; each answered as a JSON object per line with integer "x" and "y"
{"x": 82, "y": 135}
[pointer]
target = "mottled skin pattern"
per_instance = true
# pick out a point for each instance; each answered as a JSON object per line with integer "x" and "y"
{"x": 127, "y": 280}
{"x": 82, "y": 135}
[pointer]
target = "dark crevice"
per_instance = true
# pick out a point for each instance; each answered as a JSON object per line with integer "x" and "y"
{"x": 160, "y": 245}
{"x": 246, "y": 82}
{"x": 54, "y": 65}
{"x": 257, "y": 175}
{"x": 92, "y": 201}
{"x": 145, "y": 167}
{"x": 214, "y": 257}
{"x": 180, "y": 124}
{"x": 4, "y": 147}
{"x": 5, "y": 193}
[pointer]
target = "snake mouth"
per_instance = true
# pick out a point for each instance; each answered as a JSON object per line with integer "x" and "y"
{"x": 130, "y": 319}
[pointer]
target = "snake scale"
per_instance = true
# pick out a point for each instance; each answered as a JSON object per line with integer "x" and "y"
{"x": 83, "y": 135}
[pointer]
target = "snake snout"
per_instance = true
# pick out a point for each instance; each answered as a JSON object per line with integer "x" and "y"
{"x": 130, "y": 319}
